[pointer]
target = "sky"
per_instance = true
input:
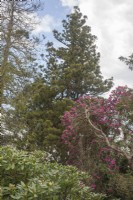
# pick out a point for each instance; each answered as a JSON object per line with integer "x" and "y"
{"x": 110, "y": 20}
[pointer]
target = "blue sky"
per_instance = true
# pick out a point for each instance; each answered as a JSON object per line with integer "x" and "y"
{"x": 55, "y": 9}
{"x": 111, "y": 21}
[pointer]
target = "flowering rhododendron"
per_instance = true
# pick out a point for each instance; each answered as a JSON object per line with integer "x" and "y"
{"x": 99, "y": 136}
{"x": 101, "y": 123}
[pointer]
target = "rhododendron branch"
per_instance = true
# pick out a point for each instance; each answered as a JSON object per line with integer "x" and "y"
{"x": 103, "y": 135}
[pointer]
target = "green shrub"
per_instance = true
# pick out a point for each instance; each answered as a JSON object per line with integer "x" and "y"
{"x": 27, "y": 176}
{"x": 122, "y": 185}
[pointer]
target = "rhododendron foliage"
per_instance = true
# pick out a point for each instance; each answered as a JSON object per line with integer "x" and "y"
{"x": 99, "y": 123}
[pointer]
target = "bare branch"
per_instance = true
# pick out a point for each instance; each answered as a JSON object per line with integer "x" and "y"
{"x": 101, "y": 135}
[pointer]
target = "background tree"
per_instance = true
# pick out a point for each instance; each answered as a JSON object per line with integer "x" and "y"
{"x": 17, "y": 49}
{"x": 38, "y": 114}
{"x": 73, "y": 68}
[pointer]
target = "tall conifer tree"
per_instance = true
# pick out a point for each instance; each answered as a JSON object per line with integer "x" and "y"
{"x": 17, "y": 47}
{"x": 16, "y": 51}
{"x": 74, "y": 67}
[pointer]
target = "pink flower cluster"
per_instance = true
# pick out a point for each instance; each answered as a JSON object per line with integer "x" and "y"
{"x": 111, "y": 114}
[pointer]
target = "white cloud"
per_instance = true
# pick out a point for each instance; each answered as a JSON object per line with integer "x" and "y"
{"x": 44, "y": 24}
{"x": 69, "y": 3}
{"x": 112, "y": 22}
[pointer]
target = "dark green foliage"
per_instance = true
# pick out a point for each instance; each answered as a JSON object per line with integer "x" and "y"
{"x": 74, "y": 67}
{"x": 38, "y": 112}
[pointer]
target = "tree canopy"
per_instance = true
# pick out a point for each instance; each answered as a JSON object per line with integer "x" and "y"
{"x": 73, "y": 68}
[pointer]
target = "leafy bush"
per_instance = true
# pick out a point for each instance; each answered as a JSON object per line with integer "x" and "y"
{"x": 122, "y": 185}
{"x": 27, "y": 176}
